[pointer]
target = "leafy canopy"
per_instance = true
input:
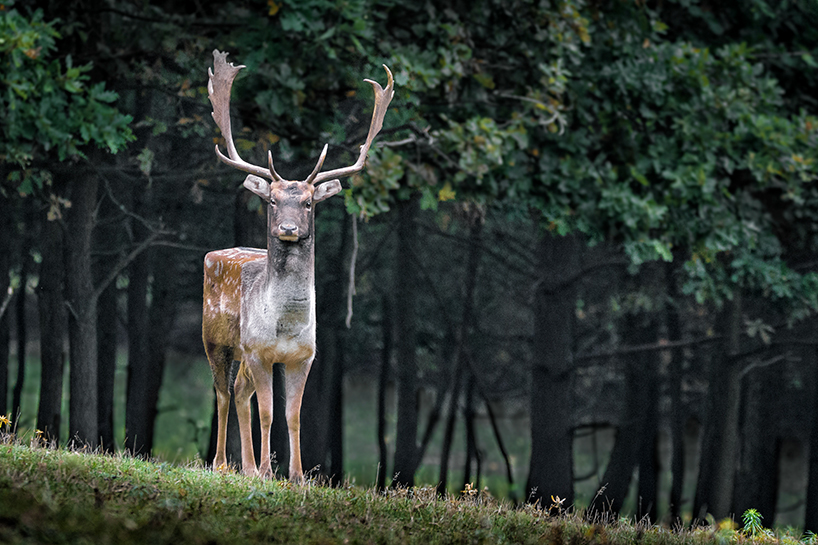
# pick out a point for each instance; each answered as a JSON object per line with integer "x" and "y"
{"x": 48, "y": 106}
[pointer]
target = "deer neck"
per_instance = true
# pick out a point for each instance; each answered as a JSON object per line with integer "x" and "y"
{"x": 291, "y": 267}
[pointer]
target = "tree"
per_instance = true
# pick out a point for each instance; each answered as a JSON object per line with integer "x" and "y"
{"x": 49, "y": 109}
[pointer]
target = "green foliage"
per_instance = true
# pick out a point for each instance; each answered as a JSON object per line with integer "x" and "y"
{"x": 48, "y": 105}
{"x": 752, "y": 523}
{"x": 607, "y": 119}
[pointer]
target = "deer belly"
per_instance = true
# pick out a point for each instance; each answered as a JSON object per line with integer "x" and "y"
{"x": 289, "y": 351}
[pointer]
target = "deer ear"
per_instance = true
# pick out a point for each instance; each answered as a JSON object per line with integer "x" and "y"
{"x": 326, "y": 190}
{"x": 257, "y": 185}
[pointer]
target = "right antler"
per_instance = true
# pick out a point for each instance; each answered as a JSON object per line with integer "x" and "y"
{"x": 219, "y": 84}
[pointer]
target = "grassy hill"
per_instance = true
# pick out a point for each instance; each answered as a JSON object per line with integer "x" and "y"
{"x": 62, "y": 496}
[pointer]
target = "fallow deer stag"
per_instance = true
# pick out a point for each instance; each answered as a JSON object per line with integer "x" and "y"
{"x": 259, "y": 306}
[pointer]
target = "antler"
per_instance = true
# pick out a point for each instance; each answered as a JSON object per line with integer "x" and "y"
{"x": 382, "y": 99}
{"x": 219, "y": 84}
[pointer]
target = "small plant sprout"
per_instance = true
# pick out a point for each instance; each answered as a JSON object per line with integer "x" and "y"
{"x": 752, "y": 524}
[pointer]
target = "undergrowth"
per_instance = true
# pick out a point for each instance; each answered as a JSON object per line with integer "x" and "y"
{"x": 75, "y": 496}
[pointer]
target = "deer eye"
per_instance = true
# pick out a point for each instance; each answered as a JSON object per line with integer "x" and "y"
{"x": 308, "y": 205}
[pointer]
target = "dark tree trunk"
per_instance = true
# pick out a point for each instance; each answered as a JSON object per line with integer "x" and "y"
{"x": 811, "y": 519}
{"x": 714, "y": 486}
{"x": 383, "y": 381}
{"x": 551, "y": 469}
{"x": 82, "y": 323}
{"x": 322, "y": 432}
{"x": 6, "y": 226}
{"x": 335, "y": 429}
{"x": 676, "y": 376}
{"x": 107, "y": 320}
{"x": 20, "y": 307}
{"x": 648, "y": 460}
{"x": 279, "y": 436}
{"x": 161, "y": 315}
{"x": 334, "y": 335}
{"x": 51, "y": 304}
{"x": 512, "y": 494}
{"x": 406, "y": 286}
{"x": 448, "y": 433}
{"x": 462, "y": 363}
{"x": 472, "y": 452}
{"x": 635, "y": 445}
{"x": 106, "y": 357}
{"x": 756, "y": 483}
{"x": 136, "y": 409}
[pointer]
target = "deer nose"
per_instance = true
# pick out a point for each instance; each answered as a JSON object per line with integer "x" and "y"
{"x": 287, "y": 230}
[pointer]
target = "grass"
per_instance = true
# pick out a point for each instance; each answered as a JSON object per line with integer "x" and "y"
{"x": 63, "y": 496}
{"x": 186, "y": 405}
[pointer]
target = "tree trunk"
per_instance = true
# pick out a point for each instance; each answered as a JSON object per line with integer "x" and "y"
{"x": 472, "y": 452}
{"x": 52, "y": 311}
{"x": 383, "y": 381}
{"x": 82, "y": 323}
{"x": 107, "y": 320}
{"x": 136, "y": 409}
{"x": 406, "y": 286}
{"x": 714, "y": 486}
{"x": 161, "y": 315}
{"x": 460, "y": 356}
{"x": 336, "y": 333}
{"x": 448, "y": 433}
{"x": 811, "y": 518}
{"x": 106, "y": 358}
{"x": 6, "y": 226}
{"x": 551, "y": 469}
{"x": 20, "y": 307}
{"x": 635, "y": 445}
{"x": 676, "y": 376}
{"x": 756, "y": 483}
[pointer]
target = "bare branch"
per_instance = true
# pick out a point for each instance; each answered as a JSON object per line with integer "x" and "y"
{"x": 352, "y": 258}
{"x": 651, "y": 347}
{"x": 6, "y": 300}
{"x": 125, "y": 261}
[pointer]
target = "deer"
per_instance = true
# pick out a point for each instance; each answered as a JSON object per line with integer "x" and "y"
{"x": 259, "y": 305}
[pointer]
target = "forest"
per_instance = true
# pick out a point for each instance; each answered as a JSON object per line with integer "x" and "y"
{"x": 582, "y": 256}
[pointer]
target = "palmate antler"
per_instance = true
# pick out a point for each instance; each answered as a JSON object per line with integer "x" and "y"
{"x": 220, "y": 82}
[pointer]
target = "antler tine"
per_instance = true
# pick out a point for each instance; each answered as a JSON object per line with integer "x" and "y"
{"x": 271, "y": 168}
{"x": 311, "y": 178}
{"x": 382, "y": 99}
{"x": 219, "y": 85}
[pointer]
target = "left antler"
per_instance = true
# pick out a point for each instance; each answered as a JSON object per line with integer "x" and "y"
{"x": 382, "y": 99}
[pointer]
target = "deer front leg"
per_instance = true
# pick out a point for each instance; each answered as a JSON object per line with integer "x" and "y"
{"x": 295, "y": 377}
{"x": 242, "y": 391}
{"x": 263, "y": 379}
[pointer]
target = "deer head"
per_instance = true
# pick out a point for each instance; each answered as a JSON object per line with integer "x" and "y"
{"x": 289, "y": 202}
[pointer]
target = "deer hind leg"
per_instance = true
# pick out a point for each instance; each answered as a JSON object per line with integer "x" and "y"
{"x": 242, "y": 392}
{"x": 263, "y": 379}
{"x": 295, "y": 377}
{"x": 221, "y": 362}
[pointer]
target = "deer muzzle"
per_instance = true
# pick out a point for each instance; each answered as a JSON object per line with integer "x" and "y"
{"x": 288, "y": 232}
